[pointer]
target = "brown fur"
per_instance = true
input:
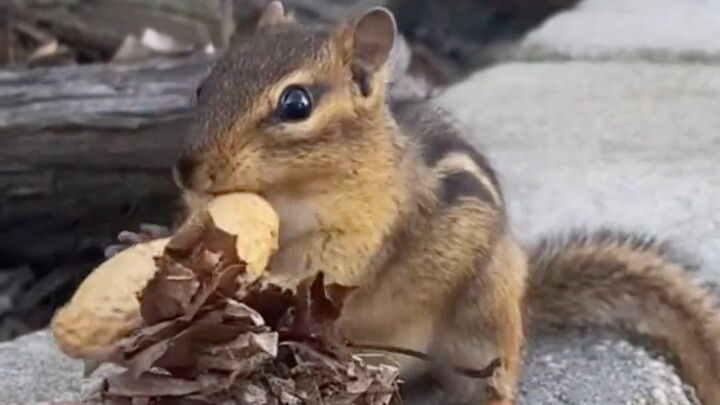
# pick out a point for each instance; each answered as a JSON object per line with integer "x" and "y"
{"x": 393, "y": 199}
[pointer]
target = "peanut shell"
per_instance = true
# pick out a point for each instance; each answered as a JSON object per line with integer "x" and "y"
{"x": 255, "y": 223}
{"x": 105, "y": 307}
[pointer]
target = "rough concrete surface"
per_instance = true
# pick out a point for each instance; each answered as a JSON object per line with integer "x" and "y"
{"x": 631, "y": 29}
{"x": 580, "y": 368}
{"x": 598, "y": 368}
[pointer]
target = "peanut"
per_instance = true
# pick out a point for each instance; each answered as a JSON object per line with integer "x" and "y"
{"x": 105, "y": 307}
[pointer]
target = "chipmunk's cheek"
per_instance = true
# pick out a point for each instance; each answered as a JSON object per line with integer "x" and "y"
{"x": 240, "y": 174}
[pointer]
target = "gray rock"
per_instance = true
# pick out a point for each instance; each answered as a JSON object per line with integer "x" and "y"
{"x": 591, "y": 144}
{"x": 32, "y": 369}
{"x": 598, "y": 368}
{"x": 661, "y": 30}
{"x": 574, "y": 368}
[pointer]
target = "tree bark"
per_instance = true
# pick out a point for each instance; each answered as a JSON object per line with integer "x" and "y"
{"x": 85, "y": 152}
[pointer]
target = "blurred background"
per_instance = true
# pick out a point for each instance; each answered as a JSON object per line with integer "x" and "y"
{"x": 95, "y": 95}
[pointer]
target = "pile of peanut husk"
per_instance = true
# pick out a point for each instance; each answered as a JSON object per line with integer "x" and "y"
{"x": 209, "y": 338}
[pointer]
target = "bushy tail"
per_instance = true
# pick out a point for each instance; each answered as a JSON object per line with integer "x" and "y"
{"x": 633, "y": 283}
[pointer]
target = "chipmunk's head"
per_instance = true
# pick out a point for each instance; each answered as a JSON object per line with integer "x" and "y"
{"x": 290, "y": 105}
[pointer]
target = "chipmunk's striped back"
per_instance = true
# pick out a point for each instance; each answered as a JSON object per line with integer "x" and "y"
{"x": 463, "y": 172}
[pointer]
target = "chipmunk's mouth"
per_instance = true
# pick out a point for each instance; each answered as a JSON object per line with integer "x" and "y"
{"x": 192, "y": 178}
{"x": 225, "y": 191}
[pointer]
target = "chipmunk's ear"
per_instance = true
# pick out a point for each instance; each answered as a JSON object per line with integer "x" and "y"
{"x": 274, "y": 13}
{"x": 373, "y": 38}
{"x": 367, "y": 43}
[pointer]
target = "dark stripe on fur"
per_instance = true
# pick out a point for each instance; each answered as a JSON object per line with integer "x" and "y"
{"x": 551, "y": 245}
{"x": 437, "y": 138}
{"x": 461, "y": 184}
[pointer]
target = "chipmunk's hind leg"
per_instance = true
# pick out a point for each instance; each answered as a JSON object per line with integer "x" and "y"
{"x": 484, "y": 323}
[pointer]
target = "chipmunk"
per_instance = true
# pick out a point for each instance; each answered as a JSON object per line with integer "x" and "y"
{"x": 392, "y": 198}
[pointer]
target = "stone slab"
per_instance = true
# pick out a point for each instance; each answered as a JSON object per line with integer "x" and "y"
{"x": 658, "y": 30}
{"x": 629, "y": 145}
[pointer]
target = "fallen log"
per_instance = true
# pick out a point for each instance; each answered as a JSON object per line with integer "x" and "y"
{"x": 99, "y": 96}
{"x": 85, "y": 152}
{"x": 96, "y": 29}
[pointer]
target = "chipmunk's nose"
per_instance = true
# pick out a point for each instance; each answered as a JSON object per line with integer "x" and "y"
{"x": 186, "y": 173}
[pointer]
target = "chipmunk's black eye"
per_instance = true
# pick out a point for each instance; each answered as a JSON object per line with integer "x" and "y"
{"x": 295, "y": 104}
